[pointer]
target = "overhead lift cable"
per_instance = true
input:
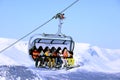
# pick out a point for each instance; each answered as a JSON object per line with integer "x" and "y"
{"x": 37, "y": 27}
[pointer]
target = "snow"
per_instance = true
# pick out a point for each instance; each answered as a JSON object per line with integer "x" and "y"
{"x": 16, "y": 55}
{"x": 93, "y": 60}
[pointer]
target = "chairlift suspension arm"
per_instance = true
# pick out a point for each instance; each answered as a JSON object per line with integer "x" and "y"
{"x": 60, "y": 16}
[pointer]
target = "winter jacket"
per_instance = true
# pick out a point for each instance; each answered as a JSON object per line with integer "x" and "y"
{"x": 35, "y": 54}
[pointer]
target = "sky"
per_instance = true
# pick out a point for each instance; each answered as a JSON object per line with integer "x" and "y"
{"x": 96, "y": 22}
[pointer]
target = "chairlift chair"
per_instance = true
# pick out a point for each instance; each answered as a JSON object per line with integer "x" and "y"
{"x": 52, "y": 40}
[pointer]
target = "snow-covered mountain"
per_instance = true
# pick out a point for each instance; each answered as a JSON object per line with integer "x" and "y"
{"x": 91, "y": 59}
{"x": 97, "y": 59}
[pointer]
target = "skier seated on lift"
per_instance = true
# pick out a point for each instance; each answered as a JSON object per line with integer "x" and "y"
{"x": 54, "y": 55}
{"x": 62, "y": 59}
{"x": 35, "y": 53}
{"x": 40, "y": 49}
{"x": 65, "y": 54}
{"x": 47, "y": 57}
{"x": 41, "y": 55}
{"x": 58, "y": 59}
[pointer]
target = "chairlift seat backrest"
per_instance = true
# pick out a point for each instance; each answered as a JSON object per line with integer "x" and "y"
{"x": 51, "y": 40}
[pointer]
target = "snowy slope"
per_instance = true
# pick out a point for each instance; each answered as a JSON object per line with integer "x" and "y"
{"x": 16, "y": 55}
{"x": 97, "y": 62}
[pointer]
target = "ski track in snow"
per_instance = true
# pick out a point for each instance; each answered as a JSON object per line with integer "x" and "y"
{"x": 96, "y": 64}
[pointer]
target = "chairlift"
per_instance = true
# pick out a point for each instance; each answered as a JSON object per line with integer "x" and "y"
{"x": 52, "y": 40}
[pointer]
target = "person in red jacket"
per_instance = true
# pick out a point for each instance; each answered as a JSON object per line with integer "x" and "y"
{"x": 35, "y": 54}
{"x": 65, "y": 54}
